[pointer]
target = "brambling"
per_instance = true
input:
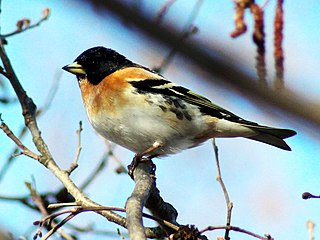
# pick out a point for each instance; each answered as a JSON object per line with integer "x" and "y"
{"x": 144, "y": 112}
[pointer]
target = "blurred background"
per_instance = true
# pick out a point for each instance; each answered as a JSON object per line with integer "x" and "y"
{"x": 265, "y": 183}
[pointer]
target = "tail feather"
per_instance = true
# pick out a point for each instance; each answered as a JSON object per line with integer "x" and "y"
{"x": 272, "y": 136}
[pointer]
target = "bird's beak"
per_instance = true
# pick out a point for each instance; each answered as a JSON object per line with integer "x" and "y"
{"x": 75, "y": 68}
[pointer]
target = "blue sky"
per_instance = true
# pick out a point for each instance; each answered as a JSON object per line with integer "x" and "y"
{"x": 264, "y": 183}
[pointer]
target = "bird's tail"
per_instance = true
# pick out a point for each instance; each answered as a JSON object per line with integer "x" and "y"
{"x": 272, "y": 136}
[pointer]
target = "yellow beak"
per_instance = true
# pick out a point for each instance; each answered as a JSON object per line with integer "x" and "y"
{"x": 75, "y": 68}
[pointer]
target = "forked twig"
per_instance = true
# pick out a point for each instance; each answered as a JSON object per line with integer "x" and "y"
{"x": 25, "y": 151}
{"x": 24, "y": 24}
{"x": 78, "y": 209}
{"x": 38, "y": 200}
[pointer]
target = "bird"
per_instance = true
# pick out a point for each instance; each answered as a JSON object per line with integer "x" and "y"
{"x": 141, "y": 110}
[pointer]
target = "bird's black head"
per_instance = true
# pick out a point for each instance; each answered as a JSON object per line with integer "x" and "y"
{"x": 96, "y": 63}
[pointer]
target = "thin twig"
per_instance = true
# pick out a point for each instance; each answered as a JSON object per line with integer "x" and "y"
{"x": 163, "y": 10}
{"x": 25, "y": 151}
{"x": 224, "y": 189}
{"x": 78, "y": 209}
{"x": 189, "y": 30}
{"x": 74, "y": 164}
{"x": 37, "y": 199}
{"x": 58, "y": 226}
{"x": 237, "y": 229}
{"x": 59, "y": 205}
{"x": 120, "y": 234}
{"x": 24, "y": 24}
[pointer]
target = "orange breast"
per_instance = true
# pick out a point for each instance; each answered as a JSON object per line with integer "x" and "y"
{"x": 110, "y": 94}
{"x": 107, "y": 95}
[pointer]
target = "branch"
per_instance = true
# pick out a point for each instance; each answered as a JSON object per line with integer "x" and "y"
{"x": 163, "y": 210}
{"x": 24, "y": 24}
{"x": 46, "y": 159}
{"x": 150, "y": 232}
{"x": 187, "y": 32}
{"x": 38, "y": 200}
{"x": 237, "y": 229}
{"x": 224, "y": 189}
{"x": 25, "y": 150}
{"x": 135, "y": 203}
{"x": 74, "y": 164}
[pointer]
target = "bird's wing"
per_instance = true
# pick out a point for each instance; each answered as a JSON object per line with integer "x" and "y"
{"x": 167, "y": 88}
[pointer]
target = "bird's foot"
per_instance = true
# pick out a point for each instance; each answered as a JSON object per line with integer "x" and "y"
{"x": 140, "y": 159}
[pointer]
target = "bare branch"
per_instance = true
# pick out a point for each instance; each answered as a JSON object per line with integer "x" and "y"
{"x": 224, "y": 189}
{"x": 25, "y": 150}
{"x": 237, "y": 229}
{"x": 24, "y": 24}
{"x": 150, "y": 232}
{"x": 38, "y": 200}
{"x": 187, "y": 32}
{"x": 29, "y": 110}
{"x": 74, "y": 164}
{"x": 163, "y": 210}
{"x": 135, "y": 203}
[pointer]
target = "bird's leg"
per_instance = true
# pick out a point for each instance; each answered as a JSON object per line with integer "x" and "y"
{"x": 139, "y": 157}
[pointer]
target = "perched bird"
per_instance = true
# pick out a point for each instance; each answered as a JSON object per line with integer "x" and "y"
{"x": 143, "y": 111}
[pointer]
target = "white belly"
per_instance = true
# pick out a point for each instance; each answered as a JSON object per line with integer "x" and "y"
{"x": 137, "y": 128}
